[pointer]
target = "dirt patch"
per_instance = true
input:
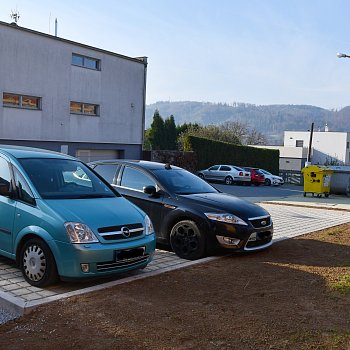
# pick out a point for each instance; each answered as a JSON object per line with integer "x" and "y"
{"x": 287, "y": 297}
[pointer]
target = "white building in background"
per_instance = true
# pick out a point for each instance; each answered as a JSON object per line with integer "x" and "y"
{"x": 69, "y": 97}
{"x": 328, "y": 148}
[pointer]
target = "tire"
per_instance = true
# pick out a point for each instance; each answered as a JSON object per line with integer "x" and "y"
{"x": 38, "y": 264}
{"x": 326, "y": 195}
{"x": 228, "y": 180}
{"x": 187, "y": 241}
{"x": 267, "y": 182}
{"x": 201, "y": 176}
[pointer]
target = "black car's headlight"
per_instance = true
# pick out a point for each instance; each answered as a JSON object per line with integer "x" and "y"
{"x": 226, "y": 217}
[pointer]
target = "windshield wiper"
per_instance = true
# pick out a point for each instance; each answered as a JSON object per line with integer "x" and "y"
{"x": 94, "y": 195}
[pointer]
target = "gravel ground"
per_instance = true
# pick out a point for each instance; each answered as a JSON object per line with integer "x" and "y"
{"x": 294, "y": 296}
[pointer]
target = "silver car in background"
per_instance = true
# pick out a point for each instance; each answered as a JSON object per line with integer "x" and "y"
{"x": 230, "y": 174}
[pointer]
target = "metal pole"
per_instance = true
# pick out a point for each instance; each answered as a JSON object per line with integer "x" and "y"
{"x": 310, "y": 145}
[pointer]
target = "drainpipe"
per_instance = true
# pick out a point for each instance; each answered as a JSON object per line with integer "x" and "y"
{"x": 144, "y": 103}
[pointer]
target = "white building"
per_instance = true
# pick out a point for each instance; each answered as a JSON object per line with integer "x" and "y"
{"x": 290, "y": 158}
{"x": 65, "y": 96}
{"x": 328, "y": 148}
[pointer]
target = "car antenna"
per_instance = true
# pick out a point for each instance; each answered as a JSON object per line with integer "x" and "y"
{"x": 167, "y": 166}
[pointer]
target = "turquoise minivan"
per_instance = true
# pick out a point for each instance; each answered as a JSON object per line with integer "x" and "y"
{"x": 58, "y": 218}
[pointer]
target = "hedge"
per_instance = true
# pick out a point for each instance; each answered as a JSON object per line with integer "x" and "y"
{"x": 211, "y": 152}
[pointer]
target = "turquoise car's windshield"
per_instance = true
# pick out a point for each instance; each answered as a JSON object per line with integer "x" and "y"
{"x": 181, "y": 181}
{"x": 64, "y": 179}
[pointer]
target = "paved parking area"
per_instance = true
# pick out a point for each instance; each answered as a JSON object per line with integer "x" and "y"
{"x": 289, "y": 221}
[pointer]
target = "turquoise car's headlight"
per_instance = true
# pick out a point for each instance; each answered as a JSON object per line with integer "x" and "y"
{"x": 226, "y": 217}
{"x": 80, "y": 233}
{"x": 148, "y": 226}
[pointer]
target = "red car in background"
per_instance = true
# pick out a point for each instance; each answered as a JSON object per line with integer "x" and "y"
{"x": 256, "y": 176}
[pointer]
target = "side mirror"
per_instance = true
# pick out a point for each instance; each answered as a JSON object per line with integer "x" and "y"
{"x": 151, "y": 190}
{"x": 5, "y": 190}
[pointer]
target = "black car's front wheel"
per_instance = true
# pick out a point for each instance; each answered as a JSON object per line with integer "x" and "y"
{"x": 187, "y": 241}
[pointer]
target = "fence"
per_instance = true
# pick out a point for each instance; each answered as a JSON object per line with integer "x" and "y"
{"x": 292, "y": 177}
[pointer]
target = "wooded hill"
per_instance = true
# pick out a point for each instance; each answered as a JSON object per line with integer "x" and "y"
{"x": 271, "y": 120}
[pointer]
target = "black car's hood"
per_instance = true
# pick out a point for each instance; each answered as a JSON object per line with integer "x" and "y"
{"x": 226, "y": 203}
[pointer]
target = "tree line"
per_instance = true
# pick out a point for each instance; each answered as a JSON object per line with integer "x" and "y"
{"x": 164, "y": 134}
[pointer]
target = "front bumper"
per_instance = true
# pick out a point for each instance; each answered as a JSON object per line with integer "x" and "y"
{"x": 244, "y": 238}
{"x": 103, "y": 259}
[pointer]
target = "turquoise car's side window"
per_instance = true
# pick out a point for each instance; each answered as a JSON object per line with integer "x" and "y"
{"x": 24, "y": 192}
{"x": 5, "y": 175}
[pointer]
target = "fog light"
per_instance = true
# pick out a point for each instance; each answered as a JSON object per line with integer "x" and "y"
{"x": 225, "y": 241}
{"x": 229, "y": 240}
{"x": 85, "y": 267}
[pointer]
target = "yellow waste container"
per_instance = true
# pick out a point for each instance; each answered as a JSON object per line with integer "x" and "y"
{"x": 317, "y": 180}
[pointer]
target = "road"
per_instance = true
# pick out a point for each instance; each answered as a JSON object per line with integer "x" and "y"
{"x": 261, "y": 193}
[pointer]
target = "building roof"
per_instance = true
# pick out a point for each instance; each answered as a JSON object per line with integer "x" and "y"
{"x": 142, "y": 60}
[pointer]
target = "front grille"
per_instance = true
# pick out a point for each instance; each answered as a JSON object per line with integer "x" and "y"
{"x": 127, "y": 231}
{"x": 263, "y": 221}
{"x": 124, "y": 258}
{"x": 262, "y": 238}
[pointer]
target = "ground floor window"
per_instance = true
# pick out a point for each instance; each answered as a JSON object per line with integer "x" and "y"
{"x": 21, "y": 101}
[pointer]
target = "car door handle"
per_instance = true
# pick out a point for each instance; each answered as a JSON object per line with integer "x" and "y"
{"x": 168, "y": 206}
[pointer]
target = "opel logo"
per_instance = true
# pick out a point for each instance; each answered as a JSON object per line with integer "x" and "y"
{"x": 263, "y": 222}
{"x": 125, "y": 232}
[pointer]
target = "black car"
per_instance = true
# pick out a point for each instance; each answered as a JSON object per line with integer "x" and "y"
{"x": 188, "y": 213}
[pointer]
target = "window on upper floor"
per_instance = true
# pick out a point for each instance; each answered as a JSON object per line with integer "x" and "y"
{"x": 84, "y": 108}
{"x": 21, "y": 101}
{"x": 86, "y": 62}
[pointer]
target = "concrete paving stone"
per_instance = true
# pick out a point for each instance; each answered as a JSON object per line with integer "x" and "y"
{"x": 15, "y": 279}
{"x": 10, "y": 287}
{"x": 12, "y": 269}
{"x": 151, "y": 268}
{"x": 20, "y": 292}
{"x": 4, "y": 282}
{"x": 3, "y": 272}
{"x": 34, "y": 289}
{"x": 24, "y": 284}
{"x": 32, "y": 296}
{"x": 6, "y": 276}
{"x": 46, "y": 293}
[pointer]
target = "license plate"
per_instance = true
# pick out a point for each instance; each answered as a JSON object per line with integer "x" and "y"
{"x": 129, "y": 254}
{"x": 252, "y": 237}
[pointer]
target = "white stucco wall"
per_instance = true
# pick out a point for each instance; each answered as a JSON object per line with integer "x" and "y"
{"x": 327, "y": 146}
{"x": 40, "y": 65}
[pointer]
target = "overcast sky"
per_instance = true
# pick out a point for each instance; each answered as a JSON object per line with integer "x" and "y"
{"x": 253, "y": 51}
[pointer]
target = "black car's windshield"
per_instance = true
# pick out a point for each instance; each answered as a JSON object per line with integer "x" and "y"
{"x": 181, "y": 181}
{"x": 64, "y": 179}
